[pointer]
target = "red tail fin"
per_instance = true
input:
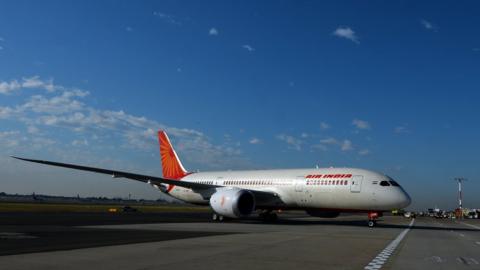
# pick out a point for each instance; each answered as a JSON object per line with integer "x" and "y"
{"x": 171, "y": 166}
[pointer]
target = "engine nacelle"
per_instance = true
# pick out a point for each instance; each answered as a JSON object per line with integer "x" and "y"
{"x": 233, "y": 203}
{"x": 323, "y": 214}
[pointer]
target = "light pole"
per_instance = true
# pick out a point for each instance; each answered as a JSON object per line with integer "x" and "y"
{"x": 460, "y": 180}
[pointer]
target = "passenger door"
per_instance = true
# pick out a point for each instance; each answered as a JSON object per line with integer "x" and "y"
{"x": 356, "y": 185}
{"x": 301, "y": 191}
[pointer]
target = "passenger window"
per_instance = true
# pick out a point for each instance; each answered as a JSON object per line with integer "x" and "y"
{"x": 384, "y": 183}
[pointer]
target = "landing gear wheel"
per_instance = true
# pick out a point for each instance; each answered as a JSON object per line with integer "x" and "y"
{"x": 272, "y": 217}
{"x": 268, "y": 216}
{"x": 220, "y": 218}
{"x": 372, "y": 218}
{"x": 214, "y": 217}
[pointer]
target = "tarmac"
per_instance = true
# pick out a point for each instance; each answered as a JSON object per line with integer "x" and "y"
{"x": 192, "y": 241}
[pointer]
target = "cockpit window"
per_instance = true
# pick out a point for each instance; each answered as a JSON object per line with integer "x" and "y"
{"x": 395, "y": 184}
{"x": 384, "y": 183}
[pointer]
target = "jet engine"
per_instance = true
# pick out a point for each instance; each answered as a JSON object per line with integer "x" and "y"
{"x": 323, "y": 214}
{"x": 233, "y": 203}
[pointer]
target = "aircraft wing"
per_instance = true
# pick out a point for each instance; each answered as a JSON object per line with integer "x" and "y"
{"x": 119, "y": 174}
{"x": 263, "y": 196}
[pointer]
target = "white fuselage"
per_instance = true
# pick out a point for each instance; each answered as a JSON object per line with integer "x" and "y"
{"x": 343, "y": 189}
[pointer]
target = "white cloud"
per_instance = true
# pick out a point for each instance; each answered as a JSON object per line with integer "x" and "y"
{"x": 9, "y": 87}
{"x": 329, "y": 141}
{"x": 361, "y": 124}
{"x": 401, "y": 129}
{"x": 255, "y": 141}
{"x": 346, "y": 32}
{"x": 32, "y": 129}
{"x": 293, "y": 143}
{"x": 129, "y": 29}
{"x": 428, "y": 25}
{"x": 33, "y": 82}
{"x": 6, "y": 112}
{"x": 66, "y": 108}
{"x": 55, "y": 105}
{"x": 83, "y": 142}
{"x": 213, "y": 31}
{"x": 320, "y": 147}
{"x": 40, "y": 142}
{"x": 7, "y": 134}
{"x": 167, "y": 18}
{"x": 346, "y": 145}
{"x": 10, "y": 139}
{"x": 364, "y": 152}
{"x": 248, "y": 48}
{"x": 324, "y": 126}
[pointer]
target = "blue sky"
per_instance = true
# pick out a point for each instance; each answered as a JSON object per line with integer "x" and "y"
{"x": 391, "y": 87}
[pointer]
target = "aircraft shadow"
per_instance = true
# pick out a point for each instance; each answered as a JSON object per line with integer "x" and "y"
{"x": 355, "y": 223}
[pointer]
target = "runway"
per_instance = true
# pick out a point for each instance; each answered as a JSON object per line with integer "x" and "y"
{"x": 191, "y": 241}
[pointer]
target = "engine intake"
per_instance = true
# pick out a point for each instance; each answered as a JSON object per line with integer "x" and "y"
{"x": 233, "y": 203}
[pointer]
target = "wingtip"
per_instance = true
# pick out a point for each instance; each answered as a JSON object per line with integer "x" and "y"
{"x": 19, "y": 158}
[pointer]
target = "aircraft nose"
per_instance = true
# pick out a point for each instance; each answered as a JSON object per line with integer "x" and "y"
{"x": 404, "y": 199}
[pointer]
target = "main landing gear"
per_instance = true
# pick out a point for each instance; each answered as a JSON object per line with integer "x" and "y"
{"x": 268, "y": 215}
{"x": 372, "y": 218}
{"x": 217, "y": 217}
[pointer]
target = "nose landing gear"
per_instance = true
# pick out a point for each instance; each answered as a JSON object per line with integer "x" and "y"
{"x": 372, "y": 218}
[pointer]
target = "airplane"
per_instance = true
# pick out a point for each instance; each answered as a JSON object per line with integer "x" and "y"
{"x": 321, "y": 192}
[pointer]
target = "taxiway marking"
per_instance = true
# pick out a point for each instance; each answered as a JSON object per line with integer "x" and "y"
{"x": 471, "y": 225}
{"x": 381, "y": 258}
{"x": 15, "y": 235}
